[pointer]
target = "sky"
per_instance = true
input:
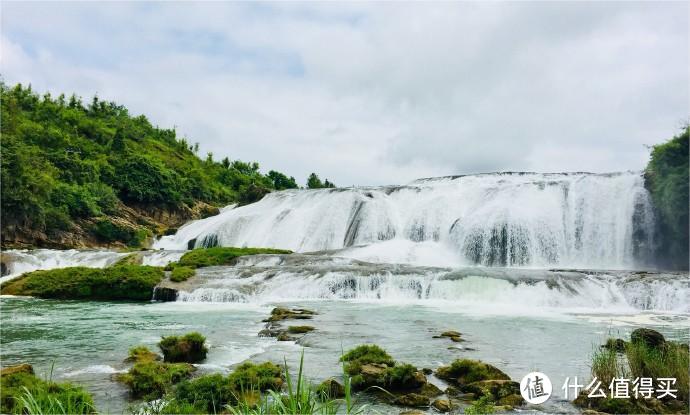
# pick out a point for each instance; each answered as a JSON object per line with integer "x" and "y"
{"x": 374, "y": 93}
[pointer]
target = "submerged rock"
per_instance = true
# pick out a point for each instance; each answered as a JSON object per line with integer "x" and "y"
{"x": 442, "y": 405}
{"x": 414, "y": 400}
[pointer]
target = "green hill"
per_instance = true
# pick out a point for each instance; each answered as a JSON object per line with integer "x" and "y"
{"x": 82, "y": 175}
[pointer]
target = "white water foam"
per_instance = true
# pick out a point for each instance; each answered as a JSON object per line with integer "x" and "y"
{"x": 576, "y": 220}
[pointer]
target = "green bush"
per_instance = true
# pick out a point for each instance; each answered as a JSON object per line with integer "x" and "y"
{"x": 22, "y": 393}
{"x": 151, "y": 379}
{"x": 190, "y": 348}
{"x": 206, "y": 257}
{"x": 181, "y": 273}
{"x": 365, "y": 354}
{"x": 127, "y": 282}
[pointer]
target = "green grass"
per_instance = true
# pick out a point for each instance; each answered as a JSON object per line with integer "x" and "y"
{"x": 483, "y": 405}
{"x": 190, "y": 348}
{"x": 206, "y": 257}
{"x": 182, "y": 273}
{"x": 127, "y": 282}
{"x": 141, "y": 354}
{"x": 25, "y": 393}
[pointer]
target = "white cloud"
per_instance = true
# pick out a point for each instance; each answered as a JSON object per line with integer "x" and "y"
{"x": 375, "y": 93}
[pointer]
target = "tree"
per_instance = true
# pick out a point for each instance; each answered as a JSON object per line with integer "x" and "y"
{"x": 281, "y": 181}
{"x": 313, "y": 182}
{"x": 328, "y": 184}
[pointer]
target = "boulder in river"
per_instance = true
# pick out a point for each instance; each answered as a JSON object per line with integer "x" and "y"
{"x": 651, "y": 338}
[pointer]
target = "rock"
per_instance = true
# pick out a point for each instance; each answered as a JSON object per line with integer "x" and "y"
{"x": 442, "y": 405}
{"x": 512, "y": 400}
{"x": 414, "y": 400}
{"x": 300, "y": 329}
{"x": 617, "y": 345}
{"x": 282, "y": 313}
{"x": 164, "y": 294}
{"x": 284, "y": 337}
{"x": 452, "y": 391}
{"x": 20, "y": 368}
{"x": 371, "y": 373}
{"x": 418, "y": 379}
{"x": 190, "y": 348}
{"x": 427, "y": 371}
{"x": 498, "y": 389}
{"x": 451, "y": 334}
{"x": 430, "y": 390}
{"x": 332, "y": 388}
{"x": 413, "y": 412}
{"x": 651, "y": 338}
{"x": 465, "y": 371}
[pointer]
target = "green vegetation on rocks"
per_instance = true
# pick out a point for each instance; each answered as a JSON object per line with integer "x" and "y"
{"x": 667, "y": 180}
{"x": 365, "y": 354}
{"x": 151, "y": 379}
{"x": 646, "y": 355}
{"x": 127, "y": 282}
{"x": 190, "y": 348}
{"x": 465, "y": 371}
{"x": 21, "y": 392}
{"x": 181, "y": 273}
{"x": 206, "y": 257}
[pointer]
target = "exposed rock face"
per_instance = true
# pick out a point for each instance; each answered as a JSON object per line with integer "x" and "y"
{"x": 332, "y": 388}
{"x": 274, "y": 327}
{"x": 442, "y": 405}
{"x": 414, "y": 400}
{"x": 164, "y": 294}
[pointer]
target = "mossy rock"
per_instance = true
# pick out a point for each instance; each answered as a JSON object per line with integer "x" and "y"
{"x": 300, "y": 329}
{"x": 182, "y": 273}
{"x": 651, "y": 338}
{"x": 252, "y": 376}
{"x": 496, "y": 389}
{"x": 206, "y": 257}
{"x": 151, "y": 379}
{"x": 413, "y": 400}
{"x": 210, "y": 391}
{"x": 131, "y": 259}
{"x": 365, "y": 354}
{"x": 282, "y": 313}
{"x": 617, "y": 345}
{"x": 465, "y": 371}
{"x": 442, "y": 405}
{"x": 20, "y": 368}
{"x": 512, "y": 400}
{"x": 127, "y": 282}
{"x": 190, "y": 348}
{"x": 331, "y": 389}
{"x": 142, "y": 354}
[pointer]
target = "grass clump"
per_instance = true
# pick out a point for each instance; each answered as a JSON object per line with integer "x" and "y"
{"x": 207, "y": 393}
{"x": 483, "y": 405}
{"x": 142, "y": 354}
{"x": 465, "y": 371}
{"x": 127, "y": 282}
{"x": 182, "y": 273}
{"x": 260, "y": 377}
{"x": 206, "y": 257}
{"x": 151, "y": 379}
{"x": 365, "y": 354}
{"x": 21, "y": 392}
{"x": 190, "y": 348}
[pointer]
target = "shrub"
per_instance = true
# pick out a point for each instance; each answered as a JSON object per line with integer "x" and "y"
{"x": 181, "y": 273}
{"x": 127, "y": 282}
{"x": 189, "y": 348}
{"x": 211, "y": 392}
{"x": 151, "y": 380}
{"x": 21, "y": 392}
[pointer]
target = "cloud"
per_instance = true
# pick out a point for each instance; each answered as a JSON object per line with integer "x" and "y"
{"x": 373, "y": 93}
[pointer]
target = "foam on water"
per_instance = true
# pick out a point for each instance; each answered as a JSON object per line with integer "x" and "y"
{"x": 21, "y": 261}
{"x": 506, "y": 219}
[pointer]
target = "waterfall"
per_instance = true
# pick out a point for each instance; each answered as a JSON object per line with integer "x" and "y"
{"x": 577, "y": 220}
{"x": 313, "y": 277}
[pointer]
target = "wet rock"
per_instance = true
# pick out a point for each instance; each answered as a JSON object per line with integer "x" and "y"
{"x": 414, "y": 400}
{"x": 430, "y": 390}
{"x": 427, "y": 371}
{"x": 331, "y": 388}
{"x": 282, "y": 313}
{"x": 413, "y": 412}
{"x": 498, "y": 389}
{"x": 164, "y": 294}
{"x": 512, "y": 400}
{"x": 300, "y": 329}
{"x": 466, "y": 371}
{"x": 450, "y": 334}
{"x": 442, "y": 405}
{"x": 617, "y": 345}
{"x": 651, "y": 338}
{"x": 21, "y": 368}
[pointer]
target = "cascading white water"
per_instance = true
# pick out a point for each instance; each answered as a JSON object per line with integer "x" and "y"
{"x": 21, "y": 261}
{"x": 577, "y": 220}
{"x": 293, "y": 278}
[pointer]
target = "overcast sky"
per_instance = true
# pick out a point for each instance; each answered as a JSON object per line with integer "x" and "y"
{"x": 375, "y": 93}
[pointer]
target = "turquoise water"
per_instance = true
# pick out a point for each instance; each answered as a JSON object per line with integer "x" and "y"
{"x": 86, "y": 342}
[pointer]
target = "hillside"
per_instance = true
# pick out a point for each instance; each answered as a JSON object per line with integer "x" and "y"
{"x": 76, "y": 174}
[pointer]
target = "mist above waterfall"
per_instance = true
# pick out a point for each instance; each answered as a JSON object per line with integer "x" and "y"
{"x": 504, "y": 219}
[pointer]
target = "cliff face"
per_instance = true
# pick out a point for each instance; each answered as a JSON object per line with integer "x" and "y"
{"x": 142, "y": 222}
